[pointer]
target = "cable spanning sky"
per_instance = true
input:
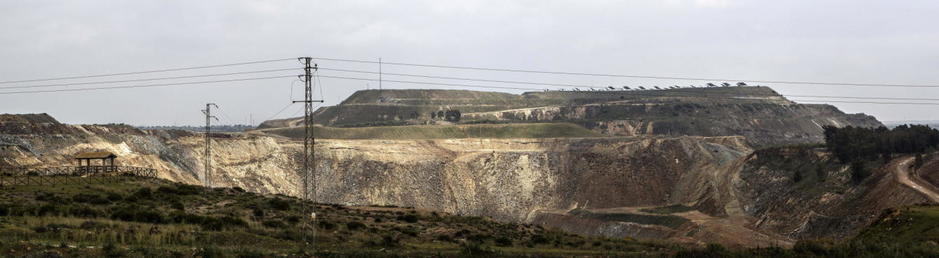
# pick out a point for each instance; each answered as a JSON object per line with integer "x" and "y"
{"x": 878, "y": 42}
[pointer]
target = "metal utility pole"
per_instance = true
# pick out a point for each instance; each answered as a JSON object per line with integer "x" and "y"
{"x": 208, "y": 140}
{"x": 381, "y": 99}
{"x": 309, "y": 166}
{"x": 379, "y": 75}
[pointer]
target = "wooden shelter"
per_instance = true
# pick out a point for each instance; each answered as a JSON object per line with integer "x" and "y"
{"x": 85, "y": 164}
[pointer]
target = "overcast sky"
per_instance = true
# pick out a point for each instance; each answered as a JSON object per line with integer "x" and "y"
{"x": 812, "y": 40}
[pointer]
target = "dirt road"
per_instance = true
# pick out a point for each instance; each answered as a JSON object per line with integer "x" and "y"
{"x": 904, "y": 176}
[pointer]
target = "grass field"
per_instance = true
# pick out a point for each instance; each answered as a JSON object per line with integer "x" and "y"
{"x": 910, "y": 224}
{"x": 142, "y": 217}
{"x": 530, "y": 130}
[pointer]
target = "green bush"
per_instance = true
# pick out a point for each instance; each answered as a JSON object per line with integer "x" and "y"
{"x": 355, "y": 225}
{"x": 279, "y": 204}
{"x": 712, "y": 250}
{"x": 167, "y": 190}
{"x": 114, "y": 197}
{"x": 293, "y": 219}
{"x": 188, "y": 189}
{"x": 137, "y": 214}
{"x": 274, "y": 224}
{"x": 327, "y": 225}
{"x": 186, "y": 218}
{"x": 48, "y": 197}
{"x": 50, "y": 228}
{"x": 176, "y": 204}
{"x": 91, "y": 225}
{"x": 221, "y": 223}
{"x": 858, "y": 171}
{"x": 503, "y": 241}
{"x": 445, "y": 238}
{"x": 84, "y": 211}
{"x": 48, "y": 209}
{"x": 539, "y": 239}
{"x": 813, "y": 247}
{"x": 112, "y": 251}
{"x": 476, "y": 249}
{"x": 480, "y": 238}
{"x": 90, "y": 198}
{"x": 140, "y": 194}
{"x": 409, "y": 218}
{"x": 18, "y": 209}
{"x": 251, "y": 254}
{"x": 389, "y": 240}
{"x": 209, "y": 252}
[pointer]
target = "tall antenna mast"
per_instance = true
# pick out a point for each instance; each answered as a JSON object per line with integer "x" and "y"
{"x": 208, "y": 143}
{"x": 309, "y": 165}
{"x": 381, "y": 98}
{"x": 379, "y": 76}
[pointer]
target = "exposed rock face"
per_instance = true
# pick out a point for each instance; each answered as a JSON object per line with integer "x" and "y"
{"x": 260, "y": 163}
{"x": 763, "y": 124}
{"x": 508, "y": 179}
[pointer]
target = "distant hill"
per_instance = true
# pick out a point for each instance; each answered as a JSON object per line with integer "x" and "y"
{"x": 758, "y": 113}
{"x": 930, "y": 123}
{"x": 215, "y": 128}
{"x": 532, "y": 130}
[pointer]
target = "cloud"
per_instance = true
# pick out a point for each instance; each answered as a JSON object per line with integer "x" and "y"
{"x": 786, "y": 40}
{"x": 712, "y": 3}
{"x": 698, "y": 3}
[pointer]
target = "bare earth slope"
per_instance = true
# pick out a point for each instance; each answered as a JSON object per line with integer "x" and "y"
{"x": 906, "y": 177}
{"x": 825, "y": 203}
{"x": 508, "y": 179}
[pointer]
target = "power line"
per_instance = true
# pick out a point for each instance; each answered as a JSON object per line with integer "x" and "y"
{"x": 855, "y": 97}
{"x": 295, "y": 113}
{"x": 402, "y": 81}
{"x": 147, "y": 79}
{"x": 467, "y": 79}
{"x": 870, "y": 102}
{"x": 640, "y": 93}
{"x": 637, "y": 76}
{"x": 586, "y": 86}
{"x": 463, "y": 85}
{"x": 516, "y": 88}
{"x": 146, "y": 85}
{"x": 148, "y": 71}
{"x": 281, "y": 110}
{"x": 430, "y": 83}
{"x": 225, "y": 116}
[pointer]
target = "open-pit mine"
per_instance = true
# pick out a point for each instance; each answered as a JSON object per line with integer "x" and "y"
{"x": 702, "y": 165}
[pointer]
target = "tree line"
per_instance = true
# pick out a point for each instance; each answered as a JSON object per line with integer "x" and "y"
{"x": 851, "y": 144}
